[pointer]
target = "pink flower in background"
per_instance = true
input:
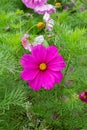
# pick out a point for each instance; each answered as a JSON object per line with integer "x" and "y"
{"x": 65, "y": 7}
{"x": 33, "y": 3}
{"x": 27, "y": 45}
{"x": 49, "y": 22}
{"x": 82, "y": 8}
{"x": 43, "y": 67}
{"x": 47, "y": 8}
{"x": 25, "y": 42}
{"x": 83, "y": 96}
{"x": 72, "y": 4}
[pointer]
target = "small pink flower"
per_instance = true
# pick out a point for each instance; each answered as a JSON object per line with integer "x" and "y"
{"x": 27, "y": 45}
{"x": 83, "y": 96}
{"x": 33, "y": 3}
{"x": 42, "y": 68}
{"x": 49, "y": 22}
{"x": 47, "y": 8}
{"x": 82, "y": 8}
{"x": 65, "y": 7}
{"x": 26, "y": 35}
{"x": 25, "y": 42}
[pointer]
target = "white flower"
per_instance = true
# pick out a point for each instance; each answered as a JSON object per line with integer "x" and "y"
{"x": 49, "y": 22}
{"x": 38, "y": 40}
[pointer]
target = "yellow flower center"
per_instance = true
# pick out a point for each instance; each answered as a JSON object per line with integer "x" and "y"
{"x": 42, "y": 66}
{"x": 40, "y": 25}
{"x": 24, "y": 43}
{"x": 58, "y": 4}
{"x": 85, "y": 96}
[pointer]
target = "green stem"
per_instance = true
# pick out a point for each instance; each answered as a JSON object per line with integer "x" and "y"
{"x": 61, "y": 89}
{"x": 68, "y": 64}
{"x": 20, "y": 24}
{"x": 67, "y": 67}
{"x": 31, "y": 28}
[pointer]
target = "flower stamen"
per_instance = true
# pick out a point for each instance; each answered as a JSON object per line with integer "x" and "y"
{"x": 42, "y": 66}
{"x": 58, "y": 4}
{"x": 40, "y": 25}
{"x": 25, "y": 43}
{"x": 85, "y": 96}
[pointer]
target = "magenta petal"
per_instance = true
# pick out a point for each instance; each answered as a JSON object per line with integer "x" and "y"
{"x": 39, "y": 53}
{"x": 26, "y": 58}
{"x": 35, "y": 84}
{"x": 85, "y": 100}
{"x": 28, "y": 74}
{"x": 82, "y": 96}
{"x": 47, "y": 79}
{"x": 58, "y": 76}
{"x": 27, "y": 61}
{"x": 52, "y": 52}
{"x": 50, "y": 78}
{"x": 57, "y": 64}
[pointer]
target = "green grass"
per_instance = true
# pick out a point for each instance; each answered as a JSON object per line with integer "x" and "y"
{"x": 24, "y": 109}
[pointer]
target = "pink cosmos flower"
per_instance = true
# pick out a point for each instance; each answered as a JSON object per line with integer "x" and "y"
{"x": 25, "y": 42}
{"x": 83, "y": 96}
{"x": 33, "y": 3}
{"x": 49, "y": 22}
{"x": 65, "y": 7}
{"x": 27, "y": 45}
{"x": 43, "y": 67}
{"x": 47, "y": 8}
{"x": 82, "y": 8}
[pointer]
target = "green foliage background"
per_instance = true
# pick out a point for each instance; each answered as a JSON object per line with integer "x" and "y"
{"x": 24, "y": 109}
